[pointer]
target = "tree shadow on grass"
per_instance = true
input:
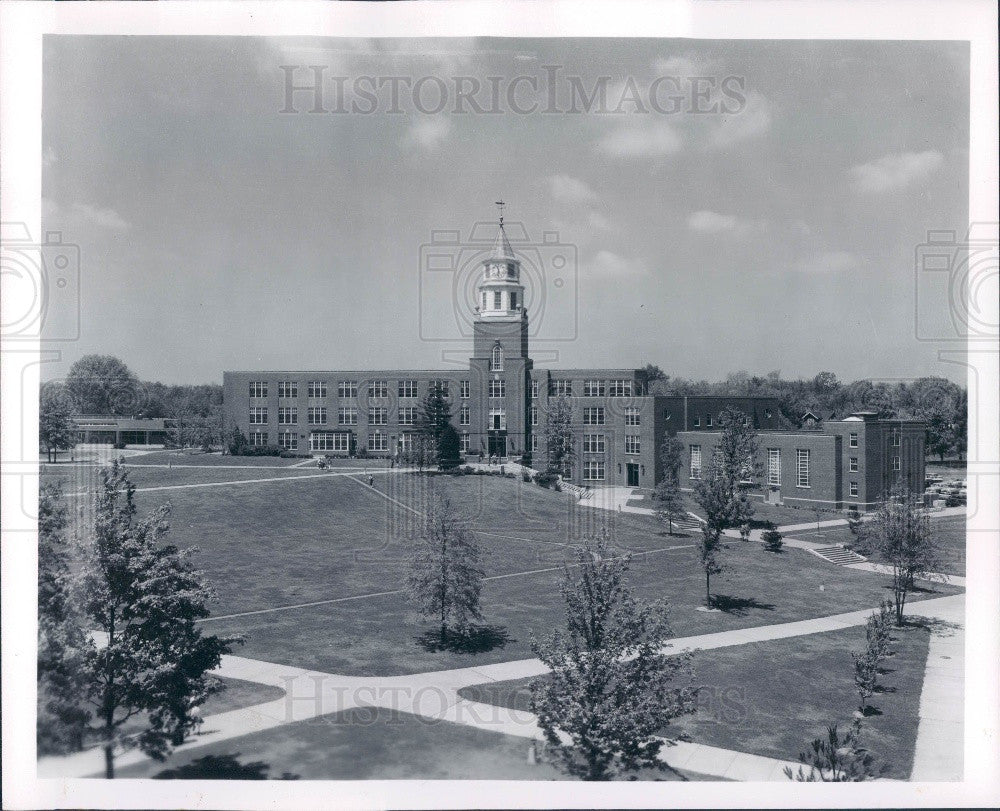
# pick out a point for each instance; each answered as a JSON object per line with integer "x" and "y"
{"x": 738, "y": 605}
{"x": 938, "y": 627}
{"x": 475, "y": 639}
{"x": 221, "y": 767}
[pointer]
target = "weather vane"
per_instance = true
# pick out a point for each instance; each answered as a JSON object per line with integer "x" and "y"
{"x": 500, "y": 204}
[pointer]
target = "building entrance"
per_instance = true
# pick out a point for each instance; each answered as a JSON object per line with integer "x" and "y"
{"x": 631, "y": 474}
{"x": 497, "y": 445}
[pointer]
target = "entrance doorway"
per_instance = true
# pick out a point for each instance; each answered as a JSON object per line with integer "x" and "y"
{"x": 497, "y": 445}
{"x": 631, "y": 474}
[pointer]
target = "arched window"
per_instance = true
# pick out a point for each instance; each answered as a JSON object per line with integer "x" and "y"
{"x": 496, "y": 362}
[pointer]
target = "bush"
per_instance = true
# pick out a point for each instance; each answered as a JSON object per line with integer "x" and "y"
{"x": 546, "y": 479}
{"x": 954, "y": 500}
{"x": 258, "y": 450}
{"x": 119, "y": 446}
{"x": 526, "y": 476}
{"x": 293, "y": 455}
{"x": 772, "y": 540}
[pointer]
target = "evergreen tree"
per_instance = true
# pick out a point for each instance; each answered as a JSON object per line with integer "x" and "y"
{"x": 559, "y": 437}
{"x": 445, "y": 579}
{"x": 611, "y": 692}
{"x": 837, "y": 759}
{"x": 435, "y": 412}
{"x": 55, "y": 428}
{"x": 667, "y": 498}
{"x": 145, "y": 597}
{"x": 449, "y": 452}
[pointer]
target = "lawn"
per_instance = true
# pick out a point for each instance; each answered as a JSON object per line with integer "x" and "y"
{"x": 363, "y": 744}
{"x": 773, "y": 698}
{"x": 277, "y": 545}
{"x": 947, "y": 533}
{"x": 779, "y": 514}
{"x": 85, "y": 478}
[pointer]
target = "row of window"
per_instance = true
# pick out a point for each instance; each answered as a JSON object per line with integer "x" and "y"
{"x": 341, "y": 441}
{"x": 317, "y": 389}
{"x": 802, "y": 465}
{"x": 591, "y": 388}
{"x": 597, "y": 416}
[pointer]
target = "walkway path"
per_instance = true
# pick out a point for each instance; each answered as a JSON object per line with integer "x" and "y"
{"x": 434, "y": 696}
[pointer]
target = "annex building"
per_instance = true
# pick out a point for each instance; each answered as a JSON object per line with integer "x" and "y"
{"x": 499, "y": 406}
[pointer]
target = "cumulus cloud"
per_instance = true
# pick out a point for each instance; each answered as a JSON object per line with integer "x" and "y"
{"x": 642, "y": 139}
{"x": 753, "y": 120}
{"x": 566, "y": 189}
{"x": 103, "y": 217}
{"x": 894, "y": 172}
{"x": 428, "y": 133}
{"x": 709, "y": 222}
{"x": 826, "y": 262}
{"x": 679, "y": 66}
{"x": 610, "y": 264}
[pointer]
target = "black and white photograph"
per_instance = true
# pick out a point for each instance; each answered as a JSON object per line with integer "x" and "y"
{"x": 409, "y": 408}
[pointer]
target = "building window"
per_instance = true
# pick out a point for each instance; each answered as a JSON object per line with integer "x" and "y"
{"x": 631, "y": 415}
{"x": 708, "y": 420}
{"x": 534, "y": 443}
{"x": 774, "y": 467}
{"x": 288, "y": 441}
{"x": 496, "y": 359}
{"x": 347, "y": 388}
{"x": 317, "y": 415}
{"x": 697, "y": 422}
{"x": 441, "y": 386}
{"x": 853, "y": 440}
{"x": 513, "y": 300}
{"x": 894, "y": 437}
{"x": 895, "y": 463}
{"x": 853, "y": 466}
{"x": 498, "y": 419}
{"x": 407, "y": 415}
{"x": 464, "y": 389}
{"x": 406, "y": 442}
{"x": 258, "y": 388}
{"x": 378, "y": 388}
{"x": 463, "y": 442}
{"x": 632, "y": 443}
{"x": 377, "y": 441}
{"x": 593, "y": 416}
{"x": 316, "y": 389}
{"x": 407, "y": 388}
{"x": 463, "y": 415}
{"x": 802, "y": 467}
{"x": 497, "y": 296}
{"x": 534, "y": 415}
{"x": 695, "y": 451}
{"x": 854, "y": 489}
{"x": 258, "y": 416}
{"x": 620, "y": 388}
{"x": 378, "y": 416}
{"x": 561, "y": 388}
{"x": 484, "y": 299}
{"x": 288, "y": 388}
{"x": 497, "y": 388}
{"x": 593, "y": 443}
{"x": 593, "y": 388}
{"x": 257, "y": 438}
{"x": 329, "y": 441}
{"x": 534, "y": 389}
{"x": 347, "y": 416}
{"x": 288, "y": 416}
{"x": 593, "y": 470}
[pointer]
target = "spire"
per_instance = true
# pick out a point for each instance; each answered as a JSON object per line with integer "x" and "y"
{"x": 501, "y": 247}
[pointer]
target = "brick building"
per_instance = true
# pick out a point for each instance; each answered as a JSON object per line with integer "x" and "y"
{"x": 500, "y": 404}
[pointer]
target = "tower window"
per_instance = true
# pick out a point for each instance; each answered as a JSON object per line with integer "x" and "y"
{"x": 484, "y": 299}
{"x": 513, "y": 301}
{"x": 496, "y": 361}
{"x": 497, "y": 295}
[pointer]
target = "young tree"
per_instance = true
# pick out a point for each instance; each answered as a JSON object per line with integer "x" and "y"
{"x": 837, "y": 759}
{"x": 237, "y": 443}
{"x": 449, "y": 448}
{"x": 145, "y": 597}
{"x": 102, "y": 384}
{"x": 445, "y": 578}
{"x": 667, "y": 493}
{"x": 611, "y": 692}
{"x": 62, "y": 643}
{"x": 559, "y": 437}
{"x": 55, "y": 428}
{"x": 422, "y": 450}
{"x": 899, "y": 533}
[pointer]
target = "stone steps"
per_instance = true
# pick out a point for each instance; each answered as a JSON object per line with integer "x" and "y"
{"x": 838, "y": 555}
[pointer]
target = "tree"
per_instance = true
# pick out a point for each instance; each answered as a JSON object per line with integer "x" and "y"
{"x": 62, "y": 642}
{"x": 422, "y": 450}
{"x": 611, "y": 692}
{"x": 56, "y": 431}
{"x": 102, "y": 384}
{"x": 559, "y": 437}
{"x": 146, "y": 598}
{"x": 837, "y": 759}
{"x": 772, "y": 539}
{"x": 738, "y": 463}
{"x": 445, "y": 578}
{"x": 449, "y": 448}
{"x": 899, "y": 534}
{"x": 648, "y": 375}
{"x": 667, "y": 496}
{"x": 435, "y": 412}
{"x": 237, "y": 443}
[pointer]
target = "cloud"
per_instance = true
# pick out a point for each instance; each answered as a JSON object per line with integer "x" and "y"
{"x": 103, "y": 217}
{"x": 610, "y": 264}
{"x": 894, "y": 172}
{"x": 679, "y": 66}
{"x": 708, "y": 222}
{"x": 827, "y": 262}
{"x": 428, "y": 133}
{"x": 753, "y": 120}
{"x": 642, "y": 139}
{"x": 566, "y": 189}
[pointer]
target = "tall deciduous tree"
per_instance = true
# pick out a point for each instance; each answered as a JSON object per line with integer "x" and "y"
{"x": 145, "y": 597}
{"x": 899, "y": 533}
{"x": 56, "y": 431}
{"x": 559, "y": 436}
{"x": 611, "y": 692}
{"x": 445, "y": 579}
{"x": 738, "y": 461}
{"x": 103, "y": 384}
{"x": 667, "y": 498}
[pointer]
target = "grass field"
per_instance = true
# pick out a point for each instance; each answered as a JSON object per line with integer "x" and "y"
{"x": 334, "y": 540}
{"x": 773, "y": 698}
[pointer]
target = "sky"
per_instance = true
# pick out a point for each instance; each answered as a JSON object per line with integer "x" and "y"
{"x": 772, "y": 223}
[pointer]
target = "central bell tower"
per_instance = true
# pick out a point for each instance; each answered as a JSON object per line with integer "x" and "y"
{"x": 500, "y": 364}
